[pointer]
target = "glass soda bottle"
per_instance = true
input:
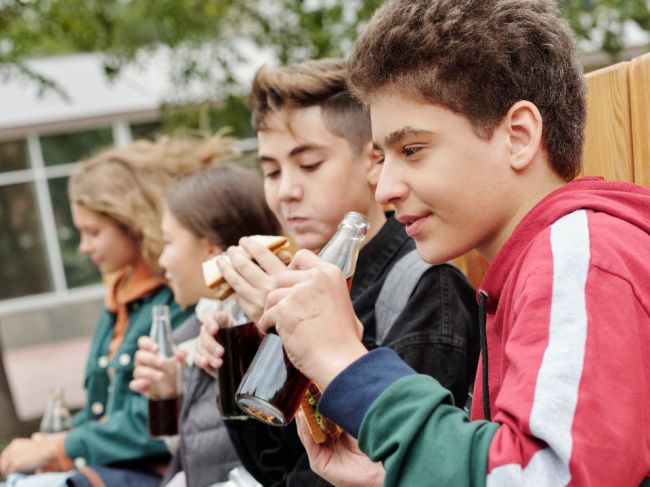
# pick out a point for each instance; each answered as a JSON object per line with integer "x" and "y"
{"x": 240, "y": 341}
{"x": 165, "y": 394}
{"x": 56, "y": 418}
{"x": 272, "y": 388}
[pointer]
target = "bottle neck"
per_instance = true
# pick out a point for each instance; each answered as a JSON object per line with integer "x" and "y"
{"x": 161, "y": 334}
{"x": 342, "y": 249}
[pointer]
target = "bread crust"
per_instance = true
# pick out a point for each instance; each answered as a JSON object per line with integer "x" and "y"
{"x": 320, "y": 428}
{"x": 212, "y": 274}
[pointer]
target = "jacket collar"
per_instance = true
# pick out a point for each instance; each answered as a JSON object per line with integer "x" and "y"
{"x": 378, "y": 253}
{"x": 130, "y": 284}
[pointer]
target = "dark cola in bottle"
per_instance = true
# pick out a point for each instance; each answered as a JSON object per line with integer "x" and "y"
{"x": 272, "y": 388}
{"x": 240, "y": 342}
{"x": 165, "y": 394}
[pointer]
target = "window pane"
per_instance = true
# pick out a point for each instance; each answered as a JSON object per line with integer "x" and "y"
{"x": 13, "y": 155}
{"x": 147, "y": 130}
{"x": 79, "y": 270}
{"x": 24, "y": 268}
{"x": 74, "y": 146}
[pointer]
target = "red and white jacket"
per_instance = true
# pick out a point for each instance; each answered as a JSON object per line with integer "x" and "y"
{"x": 568, "y": 339}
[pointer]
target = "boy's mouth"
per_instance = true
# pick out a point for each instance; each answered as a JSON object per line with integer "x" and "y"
{"x": 296, "y": 221}
{"x": 413, "y": 223}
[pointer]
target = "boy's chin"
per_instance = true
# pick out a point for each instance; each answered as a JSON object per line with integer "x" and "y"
{"x": 310, "y": 241}
{"x": 434, "y": 254}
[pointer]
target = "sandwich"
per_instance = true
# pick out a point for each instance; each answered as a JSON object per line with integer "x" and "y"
{"x": 320, "y": 428}
{"x": 212, "y": 275}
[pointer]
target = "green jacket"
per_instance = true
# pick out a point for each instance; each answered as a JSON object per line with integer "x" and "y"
{"x": 123, "y": 433}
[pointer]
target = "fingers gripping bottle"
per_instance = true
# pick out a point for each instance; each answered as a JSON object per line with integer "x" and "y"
{"x": 272, "y": 388}
{"x": 165, "y": 394}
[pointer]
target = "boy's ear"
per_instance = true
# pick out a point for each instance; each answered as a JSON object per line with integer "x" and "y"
{"x": 524, "y": 124}
{"x": 212, "y": 248}
{"x": 371, "y": 158}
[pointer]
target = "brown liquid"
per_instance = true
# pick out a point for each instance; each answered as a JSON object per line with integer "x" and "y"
{"x": 273, "y": 387}
{"x": 163, "y": 416}
{"x": 240, "y": 344}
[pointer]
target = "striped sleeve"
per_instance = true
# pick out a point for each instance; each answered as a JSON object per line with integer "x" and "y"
{"x": 572, "y": 401}
{"x": 567, "y": 404}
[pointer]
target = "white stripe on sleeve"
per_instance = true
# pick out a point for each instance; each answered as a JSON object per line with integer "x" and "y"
{"x": 558, "y": 379}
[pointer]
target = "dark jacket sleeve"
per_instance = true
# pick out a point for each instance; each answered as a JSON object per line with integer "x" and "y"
{"x": 437, "y": 332}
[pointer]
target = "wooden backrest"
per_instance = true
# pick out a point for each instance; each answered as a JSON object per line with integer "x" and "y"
{"x": 608, "y": 137}
{"x": 640, "y": 117}
{"x": 617, "y": 144}
{"x": 617, "y": 139}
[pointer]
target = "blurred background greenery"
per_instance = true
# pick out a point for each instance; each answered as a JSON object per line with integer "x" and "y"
{"x": 207, "y": 34}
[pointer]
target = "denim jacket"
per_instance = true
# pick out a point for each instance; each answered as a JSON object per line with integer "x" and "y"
{"x": 435, "y": 334}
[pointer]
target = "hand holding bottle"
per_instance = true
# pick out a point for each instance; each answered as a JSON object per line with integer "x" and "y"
{"x": 149, "y": 366}
{"x": 274, "y": 386}
{"x": 312, "y": 312}
{"x": 209, "y": 352}
{"x": 165, "y": 394}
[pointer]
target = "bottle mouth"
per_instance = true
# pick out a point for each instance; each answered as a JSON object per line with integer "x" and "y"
{"x": 356, "y": 221}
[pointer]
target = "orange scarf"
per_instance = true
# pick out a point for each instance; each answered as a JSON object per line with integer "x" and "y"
{"x": 123, "y": 288}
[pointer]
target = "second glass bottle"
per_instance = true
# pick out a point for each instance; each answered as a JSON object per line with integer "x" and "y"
{"x": 272, "y": 388}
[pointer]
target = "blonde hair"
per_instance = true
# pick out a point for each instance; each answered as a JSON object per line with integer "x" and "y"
{"x": 128, "y": 184}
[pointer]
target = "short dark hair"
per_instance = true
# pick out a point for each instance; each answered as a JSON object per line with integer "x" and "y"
{"x": 321, "y": 82}
{"x": 222, "y": 204}
{"x": 478, "y": 58}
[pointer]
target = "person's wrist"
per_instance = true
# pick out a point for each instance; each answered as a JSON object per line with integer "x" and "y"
{"x": 48, "y": 447}
{"x": 332, "y": 365}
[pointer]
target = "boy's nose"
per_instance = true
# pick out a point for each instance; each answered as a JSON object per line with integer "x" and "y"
{"x": 290, "y": 189}
{"x": 390, "y": 188}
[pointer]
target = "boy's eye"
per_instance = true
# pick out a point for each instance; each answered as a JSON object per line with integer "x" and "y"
{"x": 411, "y": 150}
{"x": 311, "y": 167}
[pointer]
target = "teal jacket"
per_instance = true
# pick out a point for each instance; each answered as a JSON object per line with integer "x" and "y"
{"x": 123, "y": 434}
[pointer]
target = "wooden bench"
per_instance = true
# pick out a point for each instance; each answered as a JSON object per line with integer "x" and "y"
{"x": 617, "y": 144}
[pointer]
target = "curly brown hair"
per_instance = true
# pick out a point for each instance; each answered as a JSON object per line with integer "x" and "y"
{"x": 478, "y": 58}
{"x": 321, "y": 82}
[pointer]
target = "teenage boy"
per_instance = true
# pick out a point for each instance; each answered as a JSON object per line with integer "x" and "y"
{"x": 316, "y": 154}
{"x": 479, "y": 110}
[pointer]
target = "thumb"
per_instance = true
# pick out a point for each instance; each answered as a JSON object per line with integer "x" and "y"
{"x": 304, "y": 259}
{"x": 304, "y": 434}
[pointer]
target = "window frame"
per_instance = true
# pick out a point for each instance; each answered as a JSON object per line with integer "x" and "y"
{"x": 39, "y": 175}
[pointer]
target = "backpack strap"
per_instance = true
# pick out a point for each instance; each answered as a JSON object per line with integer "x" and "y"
{"x": 396, "y": 291}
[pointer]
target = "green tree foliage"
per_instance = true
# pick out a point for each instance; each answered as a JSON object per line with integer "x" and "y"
{"x": 606, "y": 18}
{"x": 206, "y": 35}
